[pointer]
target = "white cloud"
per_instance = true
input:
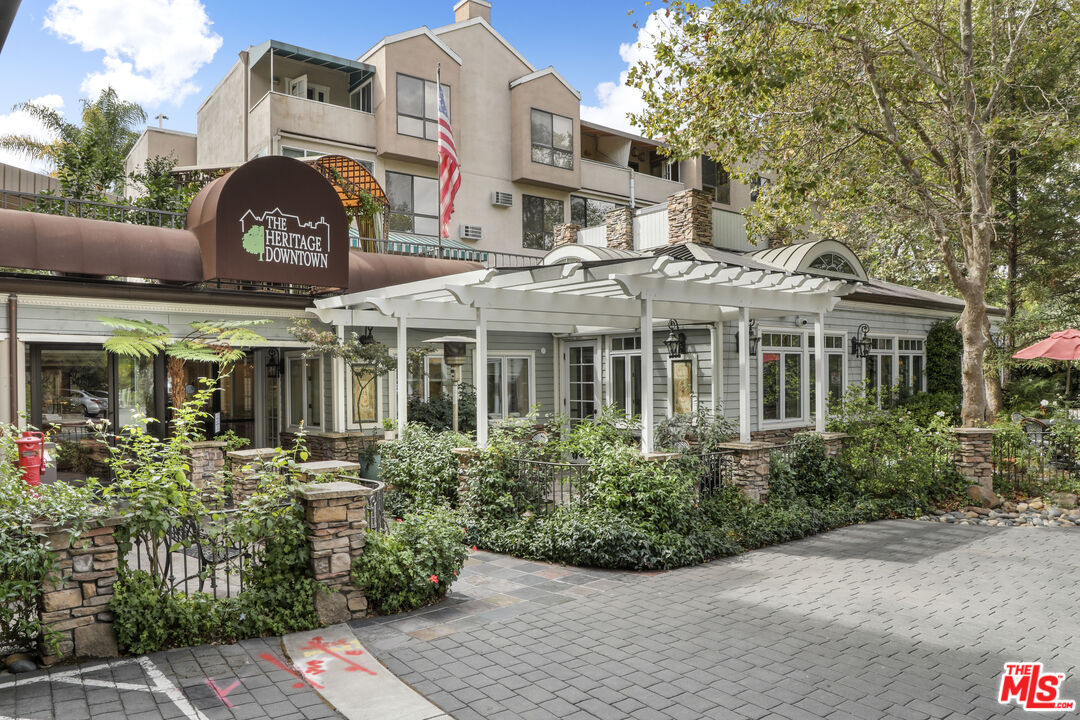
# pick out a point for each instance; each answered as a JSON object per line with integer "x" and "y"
{"x": 153, "y": 48}
{"x": 19, "y": 122}
{"x": 617, "y": 100}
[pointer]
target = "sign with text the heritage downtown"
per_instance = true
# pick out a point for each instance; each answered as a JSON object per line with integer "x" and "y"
{"x": 273, "y": 219}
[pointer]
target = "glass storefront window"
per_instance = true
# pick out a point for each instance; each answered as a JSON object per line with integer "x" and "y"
{"x": 74, "y": 389}
{"x": 134, "y": 390}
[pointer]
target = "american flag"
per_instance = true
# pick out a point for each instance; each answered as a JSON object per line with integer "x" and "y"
{"x": 449, "y": 169}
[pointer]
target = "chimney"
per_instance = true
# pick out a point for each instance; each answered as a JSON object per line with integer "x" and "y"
{"x": 469, "y": 9}
{"x": 620, "y": 228}
{"x": 689, "y": 218}
{"x": 566, "y": 234}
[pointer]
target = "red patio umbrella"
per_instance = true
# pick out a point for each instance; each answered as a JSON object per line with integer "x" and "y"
{"x": 1062, "y": 345}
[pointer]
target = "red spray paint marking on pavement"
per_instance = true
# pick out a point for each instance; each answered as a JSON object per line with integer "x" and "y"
{"x": 317, "y": 643}
{"x": 222, "y": 693}
{"x": 270, "y": 658}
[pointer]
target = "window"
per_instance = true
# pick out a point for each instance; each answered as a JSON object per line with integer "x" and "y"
{"x": 295, "y": 152}
{"x": 587, "y": 212}
{"x": 360, "y": 99}
{"x": 539, "y": 216}
{"x": 756, "y": 186}
{"x": 681, "y": 386}
{"x": 879, "y": 367}
{"x": 832, "y": 262}
{"x": 626, "y": 374}
{"x": 434, "y": 381}
{"x": 418, "y": 107}
{"x": 552, "y": 140}
{"x": 781, "y": 376}
{"x": 364, "y": 408}
{"x": 911, "y": 362}
{"x": 414, "y": 203}
{"x": 509, "y": 387}
{"x": 671, "y": 170}
{"x": 834, "y": 369}
{"x": 304, "y": 392}
{"x": 715, "y": 180}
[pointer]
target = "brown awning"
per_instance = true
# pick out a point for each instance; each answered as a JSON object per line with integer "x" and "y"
{"x": 368, "y": 271}
{"x": 36, "y": 241}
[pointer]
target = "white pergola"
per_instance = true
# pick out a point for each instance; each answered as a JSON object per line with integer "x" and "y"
{"x": 587, "y": 297}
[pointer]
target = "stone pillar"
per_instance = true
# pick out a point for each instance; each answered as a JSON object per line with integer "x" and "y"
{"x": 566, "y": 234}
{"x": 335, "y": 515}
{"x": 465, "y": 457}
{"x": 207, "y": 461}
{"x": 75, "y": 604}
{"x": 834, "y": 442}
{"x": 974, "y": 460}
{"x": 620, "y": 228}
{"x": 750, "y": 467}
{"x": 690, "y": 218}
{"x": 332, "y": 445}
{"x": 246, "y": 465}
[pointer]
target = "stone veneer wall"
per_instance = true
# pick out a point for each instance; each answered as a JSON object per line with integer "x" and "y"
{"x": 779, "y": 436}
{"x": 207, "y": 462}
{"x": 335, "y": 515}
{"x": 75, "y": 604}
{"x": 620, "y": 228}
{"x": 975, "y": 459}
{"x": 690, "y": 218}
{"x": 245, "y": 482}
{"x": 566, "y": 234}
{"x": 750, "y": 471}
{"x": 331, "y": 445}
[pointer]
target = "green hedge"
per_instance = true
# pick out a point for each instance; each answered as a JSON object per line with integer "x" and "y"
{"x": 944, "y": 356}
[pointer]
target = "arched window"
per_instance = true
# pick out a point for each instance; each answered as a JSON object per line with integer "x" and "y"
{"x": 832, "y": 262}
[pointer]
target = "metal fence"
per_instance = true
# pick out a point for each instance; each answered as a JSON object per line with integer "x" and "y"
{"x": 201, "y": 553}
{"x": 717, "y": 472}
{"x": 782, "y": 453}
{"x": 90, "y": 209}
{"x": 1034, "y": 461}
{"x": 488, "y": 258}
{"x": 550, "y": 485}
{"x": 376, "y": 504}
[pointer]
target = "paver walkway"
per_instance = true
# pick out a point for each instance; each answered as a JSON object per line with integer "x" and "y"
{"x": 897, "y": 619}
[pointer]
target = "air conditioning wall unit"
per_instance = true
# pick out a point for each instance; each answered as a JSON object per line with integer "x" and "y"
{"x": 502, "y": 199}
{"x": 472, "y": 232}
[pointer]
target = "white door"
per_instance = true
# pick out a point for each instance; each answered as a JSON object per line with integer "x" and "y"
{"x": 582, "y": 385}
{"x": 298, "y": 86}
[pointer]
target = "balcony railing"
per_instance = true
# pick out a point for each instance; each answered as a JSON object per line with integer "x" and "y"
{"x": 90, "y": 209}
{"x": 487, "y": 258}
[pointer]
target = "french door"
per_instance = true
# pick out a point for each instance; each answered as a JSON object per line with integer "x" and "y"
{"x": 582, "y": 380}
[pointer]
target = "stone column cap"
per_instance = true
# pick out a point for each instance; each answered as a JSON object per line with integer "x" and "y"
{"x": 833, "y": 435}
{"x": 206, "y": 444}
{"x": 974, "y": 430}
{"x": 752, "y": 445}
{"x": 331, "y": 491}
{"x": 327, "y": 467}
{"x": 252, "y": 454}
{"x": 661, "y": 456}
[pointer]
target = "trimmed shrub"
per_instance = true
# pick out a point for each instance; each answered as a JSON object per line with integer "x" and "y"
{"x": 944, "y": 356}
{"x": 421, "y": 469}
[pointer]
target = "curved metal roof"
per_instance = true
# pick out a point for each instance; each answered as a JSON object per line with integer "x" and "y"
{"x": 587, "y": 253}
{"x": 798, "y": 257}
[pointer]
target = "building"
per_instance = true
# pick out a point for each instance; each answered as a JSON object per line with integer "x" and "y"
{"x": 529, "y": 162}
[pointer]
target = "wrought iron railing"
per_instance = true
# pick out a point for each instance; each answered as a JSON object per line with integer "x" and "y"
{"x": 417, "y": 248}
{"x": 376, "y": 503}
{"x": 548, "y": 485}
{"x": 717, "y": 472}
{"x": 90, "y": 209}
{"x": 782, "y": 453}
{"x": 1034, "y": 460}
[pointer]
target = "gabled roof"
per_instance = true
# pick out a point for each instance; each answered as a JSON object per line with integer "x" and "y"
{"x": 549, "y": 70}
{"x": 424, "y": 30}
{"x": 487, "y": 26}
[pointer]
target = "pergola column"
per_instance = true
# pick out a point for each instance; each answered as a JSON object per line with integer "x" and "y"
{"x": 819, "y": 373}
{"x": 402, "y": 374}
{"x": 716, "y": 348}
{"x": 744, "y": 374}
{"x": 646, "y": 375}
{"x": 480, "y": 377}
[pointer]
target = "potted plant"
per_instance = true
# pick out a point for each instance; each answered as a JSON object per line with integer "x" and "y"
{"x": 389, "y": 425}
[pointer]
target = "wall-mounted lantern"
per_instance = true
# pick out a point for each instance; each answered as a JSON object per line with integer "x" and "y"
{"x": 274, "y": 364}
{"x": 454, "y": 358}
{"x": 860, "y": 343}
{"x": 368, "y": 338}
{"x": 676, "y": 341}
{"x": 755, "y": 338}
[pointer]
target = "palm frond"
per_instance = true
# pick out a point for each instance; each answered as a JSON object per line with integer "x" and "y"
{"x": 193, "y": 352}
{"x": 138, "y": 326}
{"x": 216, "y": 326}
{"x": 123, "y": 342}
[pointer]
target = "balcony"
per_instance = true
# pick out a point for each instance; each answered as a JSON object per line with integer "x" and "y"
{"x": 614, "y": 180}
{"x": 278, "y": 113}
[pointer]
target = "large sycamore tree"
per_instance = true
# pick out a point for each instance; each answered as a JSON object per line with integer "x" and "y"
{"x": 870, "y": 116}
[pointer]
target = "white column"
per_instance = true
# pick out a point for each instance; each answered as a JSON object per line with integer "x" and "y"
{"x": 646, "y": 375}
{"x": 340, "y": 374}
{"x": 819, "y": 372}
{"x": 744, "y": 374}
{"x": 716, "y": 338}
{"x": 480, "y": 377}
{"x": 402, "y": 374}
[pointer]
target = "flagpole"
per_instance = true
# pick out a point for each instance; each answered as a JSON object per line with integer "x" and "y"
{"x": 438, "y": 157}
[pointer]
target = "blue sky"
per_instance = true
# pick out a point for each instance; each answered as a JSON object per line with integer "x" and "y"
{"x": 169, "y": 54}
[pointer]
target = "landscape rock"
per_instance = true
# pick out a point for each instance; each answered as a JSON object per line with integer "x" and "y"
{"x": 23, "y": 666}
{"x": 332, "y": 608}
{"x": 95, "y": 641}
{"x": 1036, "y": 505}
{"x": 1064, "y": 499}
{"x": 982, "y": 497}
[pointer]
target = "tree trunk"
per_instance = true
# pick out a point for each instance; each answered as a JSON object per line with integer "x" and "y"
{"x": 177, "y": 391}
{"x": 1011, "y": 301}
{"x": 971, "y": 326}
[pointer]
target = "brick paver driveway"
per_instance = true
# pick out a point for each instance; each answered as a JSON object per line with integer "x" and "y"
{"x": 896, "y": 619}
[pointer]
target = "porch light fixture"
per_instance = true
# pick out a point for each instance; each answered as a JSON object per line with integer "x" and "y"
{"x": 755, "y": 338}
{"x": 368, "y": 338}
{"x": 454, "y": 358}
{"x": 676, "y": 341}
{"x": 274, "y": 364}
{"x": 860, "y": 343}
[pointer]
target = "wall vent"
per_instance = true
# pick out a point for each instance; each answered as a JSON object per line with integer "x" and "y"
{"x": 472, "y": 232}
{"x": 502, "y": 199}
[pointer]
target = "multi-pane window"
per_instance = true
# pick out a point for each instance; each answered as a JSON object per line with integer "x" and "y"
{"x": 910, "y": 362}
{"x": 363, "y": 407}
{"x": 508, "y": 387}
{"x": 414, "y": 203}
{"x": 295, "y": 152}
{"x": 552, "y": 139}
{"x": 715, "y": 180}
{"x": 418, "y": 107}
{"x": 781, "y": 376}
{"x": 434, "y": 381}
{"x": 878, "y": 367}
{"x": 360, "y": 99}
{"x": 626, "y": 374}
{"x": 832, "y": 262}
{"x": 304, "y": 391}
{"x": 834, "y": 369}
{"x": 588, "y": 212}
{"x": 539, "y": 216}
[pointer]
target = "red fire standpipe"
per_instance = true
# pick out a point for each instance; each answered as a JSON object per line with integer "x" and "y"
{"x": 31, "y": 456}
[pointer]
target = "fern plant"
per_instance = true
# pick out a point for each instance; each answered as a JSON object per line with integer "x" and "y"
{"x": 221, "y": 342}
